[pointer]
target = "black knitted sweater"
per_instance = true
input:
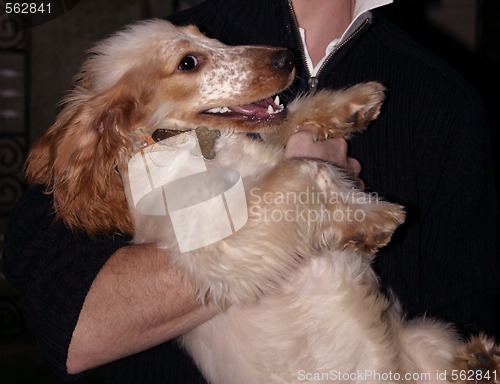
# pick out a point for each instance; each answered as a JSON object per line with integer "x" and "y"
{"x": 428, "y": 150}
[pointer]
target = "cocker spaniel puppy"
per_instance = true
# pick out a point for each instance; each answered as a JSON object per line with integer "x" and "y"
{"x": 153, "y": 140}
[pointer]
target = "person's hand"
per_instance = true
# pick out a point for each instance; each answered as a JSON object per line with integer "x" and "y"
{"x": 304, "y": 143}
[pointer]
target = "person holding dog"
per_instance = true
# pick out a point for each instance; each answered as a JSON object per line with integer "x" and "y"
{"x": 97, "y": 300}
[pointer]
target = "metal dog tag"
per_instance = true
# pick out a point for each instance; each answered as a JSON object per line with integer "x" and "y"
{"x": 206, "y": 140}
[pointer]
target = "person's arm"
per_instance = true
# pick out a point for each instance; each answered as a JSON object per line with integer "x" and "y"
{"x": 91, "y": 300}
{"x": 136, "y": 301}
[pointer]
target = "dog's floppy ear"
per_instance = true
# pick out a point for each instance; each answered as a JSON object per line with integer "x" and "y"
{"x": 77, "y": 160}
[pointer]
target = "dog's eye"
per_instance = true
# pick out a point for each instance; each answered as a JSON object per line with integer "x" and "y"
{"x": 188, "y": 63}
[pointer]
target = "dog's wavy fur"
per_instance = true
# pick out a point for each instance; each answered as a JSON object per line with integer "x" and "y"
{"x": 305, "y": 301}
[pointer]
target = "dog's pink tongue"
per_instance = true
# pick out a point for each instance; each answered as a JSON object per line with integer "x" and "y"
{"x": 259, "y": 109}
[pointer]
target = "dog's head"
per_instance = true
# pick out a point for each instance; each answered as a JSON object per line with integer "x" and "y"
{"x": 148, "y": 76}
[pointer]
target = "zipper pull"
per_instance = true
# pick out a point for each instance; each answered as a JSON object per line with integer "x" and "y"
{"x": 313, "y": 82}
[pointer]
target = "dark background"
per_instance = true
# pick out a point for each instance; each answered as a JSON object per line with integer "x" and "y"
{"x": 37, "y": 63}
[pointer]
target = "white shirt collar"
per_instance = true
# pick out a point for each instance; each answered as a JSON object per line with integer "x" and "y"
{"x": 361, "y": 7}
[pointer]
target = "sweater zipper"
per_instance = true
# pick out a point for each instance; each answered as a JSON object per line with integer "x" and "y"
{"x": 312, "y": 81}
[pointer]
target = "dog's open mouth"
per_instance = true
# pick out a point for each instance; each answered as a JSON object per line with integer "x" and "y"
{"x": 259, "y": 111}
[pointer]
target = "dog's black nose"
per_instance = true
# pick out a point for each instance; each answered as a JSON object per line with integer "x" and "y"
{"x": 284, "y": 59}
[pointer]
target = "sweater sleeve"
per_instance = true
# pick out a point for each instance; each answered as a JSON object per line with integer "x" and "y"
{"x": 53, "y": 268}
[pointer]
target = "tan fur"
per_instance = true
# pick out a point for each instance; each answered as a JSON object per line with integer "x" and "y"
{"x": 306, "y": 304}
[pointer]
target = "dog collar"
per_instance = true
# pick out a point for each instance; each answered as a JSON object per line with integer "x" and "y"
{"x": 206, "y": 139}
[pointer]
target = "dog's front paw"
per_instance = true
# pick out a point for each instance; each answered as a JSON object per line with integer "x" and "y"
{"x": 478, "y": 361}
{"x": 354, "y": 108}
{"x": 338, "y": 113}
{"x": 372, "y": 226}
{"x": 366, "y": 103}
{"x": 341, "y": 216}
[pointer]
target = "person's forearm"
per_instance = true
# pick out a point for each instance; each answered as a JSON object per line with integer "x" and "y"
{"x": 137, "y": 301}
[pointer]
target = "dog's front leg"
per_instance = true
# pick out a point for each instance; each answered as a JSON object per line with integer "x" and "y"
{"x": 325, "y": 207}
{"x": 297, "y": 210}
{"x": 337, "y": 113}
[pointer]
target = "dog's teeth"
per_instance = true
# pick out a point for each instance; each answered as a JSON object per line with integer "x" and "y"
{"x": 214, "y": 110}
{"x": 219, "y": 110}
{"x": 277, "y": 101}
{"x": 270, "y": 109}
